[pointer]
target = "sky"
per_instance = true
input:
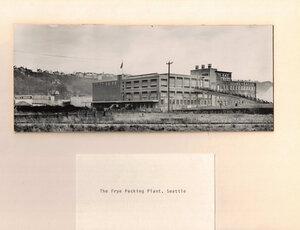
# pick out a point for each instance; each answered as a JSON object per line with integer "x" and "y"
{"x": 246, "y": 51}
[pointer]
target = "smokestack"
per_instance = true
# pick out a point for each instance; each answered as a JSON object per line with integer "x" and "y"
{"x": 202, "y": 66}
{"x": 196, "y": 67}
{"x": 209, "y": 66}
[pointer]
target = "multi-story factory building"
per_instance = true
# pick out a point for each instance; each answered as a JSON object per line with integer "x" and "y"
{"x": 204, "y": 88}
{"x": 222, "y": 81}
{"x": 154, "y": 87}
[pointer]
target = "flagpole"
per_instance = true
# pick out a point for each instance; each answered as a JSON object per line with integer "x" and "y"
{"x": 122, "y": 67}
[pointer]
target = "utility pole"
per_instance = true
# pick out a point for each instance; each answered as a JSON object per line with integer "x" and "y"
{"x": 169, "y": 66}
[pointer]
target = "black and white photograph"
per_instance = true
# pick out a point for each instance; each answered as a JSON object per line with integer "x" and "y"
{"x": 94, "y": 78}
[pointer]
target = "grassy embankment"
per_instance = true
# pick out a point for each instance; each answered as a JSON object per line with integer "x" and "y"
{"x": 145, "y": 122}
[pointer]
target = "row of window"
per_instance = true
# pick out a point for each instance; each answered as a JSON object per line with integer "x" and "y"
{"x": 237, "y": 87}
{"x": 174, "y": 82}
{"x": 24, "y": 97}
{"x": 185, "y": 102}
{"x": 185, "y": 95}
{"x": 225, "y": 102}
{"x": 141, "y": 96}
{"x": 107, "y": 83}
{"x": 225, "y": 78}
{"x": 36, "y": 97}
{"x": 225, "y": 75}
{"x": 185, "y": 82}
{"x": 143, "y": 84}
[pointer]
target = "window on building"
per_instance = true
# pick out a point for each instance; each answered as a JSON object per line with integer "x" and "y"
{"x": 172, "y": 81}
{"x": 164, "y": 82}
{"x": 144, "y": 95}
{"x": 163, "y": 94}
{"x": 128, "y": 96}
{"x": 179, "y": 81}
{"x": 186, "y": 82}
{"x": 128, "y": 84}
{"x": 153, "y": 82}
{"x": 193, "y": 83}
{"x": 136, "y": 96}
{"x": 144, "y": 83}
{"x": 136, "y": 84}
{"x": 153, "y": 95}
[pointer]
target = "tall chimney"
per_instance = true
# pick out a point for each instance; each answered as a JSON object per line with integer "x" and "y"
{"x": 196, "y": 67}
{"x": 209, "y": 66}
{"x": 202, "y": 66}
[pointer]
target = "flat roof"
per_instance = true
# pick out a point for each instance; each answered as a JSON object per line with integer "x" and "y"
{"x": 218, "y": 71}
{"x": 176, "y": 74}
{"x": 128, "y": 77}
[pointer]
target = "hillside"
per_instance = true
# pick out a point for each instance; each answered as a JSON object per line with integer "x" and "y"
{"x": 27, "y": 81}
{"x": 265, "y": 90}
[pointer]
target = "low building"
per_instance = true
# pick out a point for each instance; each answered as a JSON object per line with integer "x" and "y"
{"x": 34, "y": 100}
{"x": 23, "y": 100}
{"x": 81, "y": 101}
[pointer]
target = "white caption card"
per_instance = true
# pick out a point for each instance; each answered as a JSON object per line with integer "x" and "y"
{"x": 145, "y": 191}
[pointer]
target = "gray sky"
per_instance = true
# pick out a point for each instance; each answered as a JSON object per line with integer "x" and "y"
{"x": 244, "y": 50}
